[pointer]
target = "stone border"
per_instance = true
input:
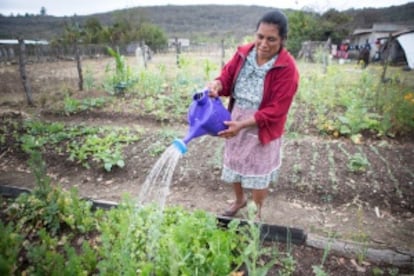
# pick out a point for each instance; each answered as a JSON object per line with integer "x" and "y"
{"x": 400, "y": 258}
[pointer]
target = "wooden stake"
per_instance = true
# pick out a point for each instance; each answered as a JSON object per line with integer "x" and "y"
{"x": 23, "y": 75}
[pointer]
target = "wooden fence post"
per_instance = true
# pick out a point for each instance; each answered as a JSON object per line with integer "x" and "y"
{"x": 386, "y": 57}
{"x": 23, "y": 75}
{"x": 143, "y": 53}
{"x": 79, "y": 66}
{"x": 178, "y": 51}
{"x": 326, "y": 54}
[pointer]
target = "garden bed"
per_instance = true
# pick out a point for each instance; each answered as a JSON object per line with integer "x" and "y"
{"x": 356, "y": 191}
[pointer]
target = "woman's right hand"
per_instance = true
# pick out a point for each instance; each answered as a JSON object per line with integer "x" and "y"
{"x": 214, "y": 88}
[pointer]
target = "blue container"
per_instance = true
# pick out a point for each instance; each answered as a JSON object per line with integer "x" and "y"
{"x": 206, "y": 115}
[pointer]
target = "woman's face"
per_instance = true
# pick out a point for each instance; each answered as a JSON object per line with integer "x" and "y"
{"x": 268, "y": 42}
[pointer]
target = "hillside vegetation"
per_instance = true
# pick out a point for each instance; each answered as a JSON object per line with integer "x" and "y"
{"x": 195, "y": 22}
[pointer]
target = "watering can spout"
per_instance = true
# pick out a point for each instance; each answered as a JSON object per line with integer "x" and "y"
{"x": 180, "y": 145}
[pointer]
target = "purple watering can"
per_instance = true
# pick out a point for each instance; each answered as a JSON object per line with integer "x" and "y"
{"x": 206, "y": 115}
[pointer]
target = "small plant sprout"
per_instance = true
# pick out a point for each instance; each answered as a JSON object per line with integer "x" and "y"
{"x": 358, "y": 163}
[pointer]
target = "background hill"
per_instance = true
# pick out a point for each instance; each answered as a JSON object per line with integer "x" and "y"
{"x": 196, "y": 22}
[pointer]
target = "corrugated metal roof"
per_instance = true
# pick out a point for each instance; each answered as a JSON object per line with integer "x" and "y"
{"x": 381, "y": 28}
{"x": 387, "y": 27}
{"x": 398, "y": 33}
{"x": 362, "y": 31}
{"x": 15, "y": 42}
{"x": 406, "y": 31}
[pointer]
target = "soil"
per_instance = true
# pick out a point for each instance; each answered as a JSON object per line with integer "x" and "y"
{"x": 316, "y": 190}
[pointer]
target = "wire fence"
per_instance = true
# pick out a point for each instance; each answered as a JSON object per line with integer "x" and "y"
{"x": 37, "y": 53}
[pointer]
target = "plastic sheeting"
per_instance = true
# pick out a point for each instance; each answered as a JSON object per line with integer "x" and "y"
{"x": 407, "y": 43}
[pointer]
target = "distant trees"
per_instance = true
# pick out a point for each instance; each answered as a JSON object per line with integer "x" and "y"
{"x": 133, "y": 26}
{"x": 127, "y": 27}
{"x": 335, "y": 23}
{"x": 73, "y": 33}
{"x": 153, "y": 36}
{"x": 304, "y": 26}
{"x": 93, "y": 31}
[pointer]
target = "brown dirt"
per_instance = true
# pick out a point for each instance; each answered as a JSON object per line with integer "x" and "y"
{"x": 316, "y": 191}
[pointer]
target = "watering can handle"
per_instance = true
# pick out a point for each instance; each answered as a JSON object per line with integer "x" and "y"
{"x": 203, "y": 96}
{"x": 206, "y": 92}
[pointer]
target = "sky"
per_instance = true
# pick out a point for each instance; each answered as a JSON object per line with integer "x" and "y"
{"x": 87, "y": 7}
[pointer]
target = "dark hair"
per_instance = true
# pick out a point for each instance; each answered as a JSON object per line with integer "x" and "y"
{"x": 278, "y": 18}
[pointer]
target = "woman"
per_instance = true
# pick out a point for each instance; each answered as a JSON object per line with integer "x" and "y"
{"x": 261, "y": 80}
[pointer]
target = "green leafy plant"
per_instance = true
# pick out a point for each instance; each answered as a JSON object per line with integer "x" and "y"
{"x": 358, "y": 118}
{"x": 131, "y": 240}
{"x": 82, "y": 144}
{"x": 72, "y": 106}
{"x": 172, "y": 243}
{"x": 42, "y": 218}
{"x": 361, "y": 236}
{"x": 358, "y": 163}
{"x": 10, "y": 244}
{"x": 318, "y": 269}
{"x": 254, "y": 251}
{"x": 164, "y": 138}
{"x": 288, "y": 265}
{"x": 105, "y": 149}
{"x": 48, "y": 256}
{"x": 341, "y": 104}
{"x": 122, "y": 79}
{"x": 208, "y": 68}
{"x": 89, "y": 81}
{"x": 51, "y": 211}
{"x": 44, "y": 257}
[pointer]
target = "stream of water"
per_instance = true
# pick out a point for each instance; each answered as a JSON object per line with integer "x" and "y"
{"x": 158, "y": 182}
{"x": 155, "y": 189}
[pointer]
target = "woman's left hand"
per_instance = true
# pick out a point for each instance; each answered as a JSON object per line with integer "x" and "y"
{"x": 233, "y": 129}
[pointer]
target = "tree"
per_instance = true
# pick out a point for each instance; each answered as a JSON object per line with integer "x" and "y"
{"x": 128, "y": 27}
{"x": 93, "y": 31}
{"x": 153, "y": 36}
{"x": 43, "y": 11}
{"x": 302, "y": 27}
{"x": 305, "y": 26}
{"x": 125, "y": 26}
{"x": 72, "y": 33}
{"x": 334, "y": 23}
{"x": 133, "y": 26}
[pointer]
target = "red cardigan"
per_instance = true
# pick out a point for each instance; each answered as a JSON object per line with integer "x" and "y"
{"x": 280, "y": 86}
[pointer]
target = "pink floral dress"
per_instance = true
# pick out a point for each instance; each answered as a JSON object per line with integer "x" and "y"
{"x": 246, "y": 160}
